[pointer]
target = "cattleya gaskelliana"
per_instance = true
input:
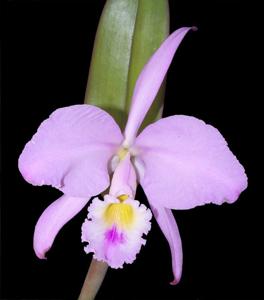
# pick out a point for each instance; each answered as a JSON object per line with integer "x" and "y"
{"x": 180, "y": 162}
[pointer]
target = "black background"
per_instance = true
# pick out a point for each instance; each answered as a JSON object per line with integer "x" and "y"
{"x": 213, "y": 77}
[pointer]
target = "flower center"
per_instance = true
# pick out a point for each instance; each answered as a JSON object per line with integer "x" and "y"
{"x": 122, "y": 197}
{"x": 119, "y": 214}
{"x": 122, "y": 152}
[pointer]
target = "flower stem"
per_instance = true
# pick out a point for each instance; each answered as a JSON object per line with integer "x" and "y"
{"x": 93, "y": 280}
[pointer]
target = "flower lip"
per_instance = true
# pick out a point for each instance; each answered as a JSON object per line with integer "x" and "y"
{"x": 114, "y": 230}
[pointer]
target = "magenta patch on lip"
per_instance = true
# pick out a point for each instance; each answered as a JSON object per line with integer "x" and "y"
{"x": 114, "y": 237}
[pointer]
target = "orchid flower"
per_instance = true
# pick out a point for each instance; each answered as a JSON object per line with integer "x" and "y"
{"x": 180, "y": 162}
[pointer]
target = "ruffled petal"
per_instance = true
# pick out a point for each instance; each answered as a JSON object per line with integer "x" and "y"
{"x": 170, "y": 229}
{"x": 188, "y": 163}
{"x": 149, "y": 82}
{"x": 71, "y": 151}
{"x": 53, "y": 219}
